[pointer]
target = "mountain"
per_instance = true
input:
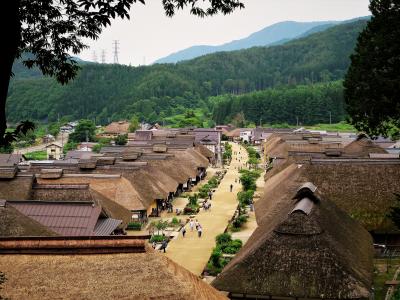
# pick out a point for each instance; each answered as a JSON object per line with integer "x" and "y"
{"x": 154, "y": 92}
{"x": 275, "y": 34}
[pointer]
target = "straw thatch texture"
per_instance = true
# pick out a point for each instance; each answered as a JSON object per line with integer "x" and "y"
{"x": 53, "y": 191}
{"x": 118, "y": 190}
{"x": 120, "y": 127}
{"x": 18, "y": 188}
{"x": 203, "y": 150}
{"x": 107, "y": 276}
{"x": 160, "y": 148}
{"x": 14, "y": 223}
{"x": 362, "y": 147}
{"x": 325, "y": 254}
{"x": 365, "y": 190}
{"x": 51, "y": 173}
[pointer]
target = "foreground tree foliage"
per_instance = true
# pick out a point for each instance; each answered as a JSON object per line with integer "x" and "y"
{"x": 50, "y": 30}
{"x": 372, "y": 84}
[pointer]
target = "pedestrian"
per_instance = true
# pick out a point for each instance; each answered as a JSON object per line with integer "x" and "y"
{"x": 199, "y": 230}
{"x": 197, "y": 224}
{"x": 191, "y": 224}
{"x": 231, "y": 187}
{"x": 164, "y": 245}
{"x": 183, "y": 231}
{"x": 210, "y": 195}
{"x": 235, "y": 180}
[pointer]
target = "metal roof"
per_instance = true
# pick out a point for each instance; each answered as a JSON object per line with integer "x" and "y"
{"x": 305, "y": 206}
{"x": 68, "y": 219}
{"x": 106, "y": 226}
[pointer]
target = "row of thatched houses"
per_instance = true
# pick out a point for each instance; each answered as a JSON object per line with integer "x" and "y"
{"x": 326, "y": 201}
{"x": 123, "y": 183}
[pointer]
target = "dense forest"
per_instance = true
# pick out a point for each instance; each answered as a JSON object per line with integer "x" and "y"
{"x": 302, "y": 104}
{"x": 108, "y": 92}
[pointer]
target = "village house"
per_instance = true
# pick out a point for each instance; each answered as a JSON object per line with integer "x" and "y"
{"x": 54, "y": 151}
{"x": 115, "y": 129}
{"x": 304, "y": 247}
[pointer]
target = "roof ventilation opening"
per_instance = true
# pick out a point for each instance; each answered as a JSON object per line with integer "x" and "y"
{"x": 305, "y": 206}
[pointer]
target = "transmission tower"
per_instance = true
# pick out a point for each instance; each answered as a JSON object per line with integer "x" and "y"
{"x": 94, "y": 58}
{"x": 116, "y": 50}
{"x": 103, "y": 56}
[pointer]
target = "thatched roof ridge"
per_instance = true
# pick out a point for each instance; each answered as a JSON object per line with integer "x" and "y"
{"x": 13, "y": 223}
{"x": 323, "y": 254}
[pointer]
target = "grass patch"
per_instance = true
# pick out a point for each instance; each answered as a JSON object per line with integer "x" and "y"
{"x": 383, "y": 274}
{"x": 36, "y": 155}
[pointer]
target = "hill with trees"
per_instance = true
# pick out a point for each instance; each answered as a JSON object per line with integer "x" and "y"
{"x": 109, "y": 92}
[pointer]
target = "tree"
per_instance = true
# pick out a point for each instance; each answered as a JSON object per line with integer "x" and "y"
{"x": 134, "y": 125}
{"x": 372, "y": 83}
{"x": 121, "y": 139}
{"x": 50, "y": 30}
{"x": 394, "y": 213}
{"x": 84, "y": 131}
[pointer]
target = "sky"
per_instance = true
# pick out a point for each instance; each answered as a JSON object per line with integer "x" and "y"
{"x": 150, "y": 35}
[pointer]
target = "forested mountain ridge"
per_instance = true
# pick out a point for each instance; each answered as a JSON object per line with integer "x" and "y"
{"x": 271, "y": 35}
{"x": 154, "y": 92}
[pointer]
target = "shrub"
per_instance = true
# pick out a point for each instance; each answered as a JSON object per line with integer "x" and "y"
{"x": 175, "y": 221}
{"x": 223, "y": 238}
{"x": 245, "y": 197}
{"x": 215, "y": 257}
{"x": 193, "y": 200}
{"x": 157, "y": 238}
{"x": 134, "y": 226}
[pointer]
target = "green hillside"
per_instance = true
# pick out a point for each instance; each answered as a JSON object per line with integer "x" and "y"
{"x": 105, "y": 92}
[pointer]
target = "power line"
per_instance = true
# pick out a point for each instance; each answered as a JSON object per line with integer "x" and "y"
{"x": 116, "y": 51}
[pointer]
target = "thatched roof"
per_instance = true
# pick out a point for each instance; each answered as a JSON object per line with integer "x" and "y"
{"x": 363, "y": 188}
{"x": 148, "y": 275}
{"x": 304, "y": 247}
{"x": 362, "y": 147}
{"x": 18, "y": 188}
{"x": 54, "y": 191}
{"x": 120, "y": 127}
{"x": 14, "y": 223}
{"x": 204, "y": 151}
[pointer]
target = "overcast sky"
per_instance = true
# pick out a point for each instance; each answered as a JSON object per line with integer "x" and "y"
{"x": 150, "y": 35}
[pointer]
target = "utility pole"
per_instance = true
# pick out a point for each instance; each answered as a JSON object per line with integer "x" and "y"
{"x": 260, "y": 122}
{"x": 116, "y": 51}
{"x": 330, "y": 117}
{"x": 297, "y": 121}
{"x": 103, "y": 56}
{"x": 87, "y": 136}
{"x": 94, "y": 56}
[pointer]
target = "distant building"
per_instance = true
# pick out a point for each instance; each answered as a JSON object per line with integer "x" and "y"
{"x": 245, "y": 135}
{"x": 115, "y": 129}
{"x": 54, "y": 151}
{"x": 48, "y": 138}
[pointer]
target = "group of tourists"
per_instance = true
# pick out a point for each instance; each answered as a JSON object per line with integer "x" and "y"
{"x": 167, "y": 205}
{"x": 192, "y": 225}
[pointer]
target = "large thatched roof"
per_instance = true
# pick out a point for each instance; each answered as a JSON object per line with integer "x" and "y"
{"x": 14, "y": 223}
{"x": 17, "y": 188}
{"x": 305, "y": 248}
{"x": 147, "y": 275}
{"x": 364, "y": 188}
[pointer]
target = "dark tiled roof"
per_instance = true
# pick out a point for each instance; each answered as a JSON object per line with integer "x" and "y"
{"x": 68, "y": 219}
{"x": 106, "y": 226}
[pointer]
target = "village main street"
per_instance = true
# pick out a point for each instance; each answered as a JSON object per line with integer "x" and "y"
{"x": 193, "y": 252}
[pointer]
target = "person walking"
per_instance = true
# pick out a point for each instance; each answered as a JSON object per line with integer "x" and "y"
{"x": 231, "y": 187}
{"x": 197, "y": 224}
{"x": 183, "y": 231}
{"x": 164, "y": 245}
{"x": 210, "y": 195}
{"x": 191, "y": 224}
{"x": 199, "y": 230}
